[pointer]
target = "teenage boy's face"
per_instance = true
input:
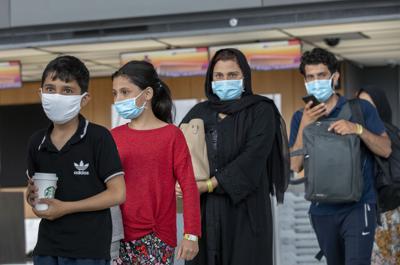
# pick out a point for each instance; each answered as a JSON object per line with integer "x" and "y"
{"x": 58, "y": 86}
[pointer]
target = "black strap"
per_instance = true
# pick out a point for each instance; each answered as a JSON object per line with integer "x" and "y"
{"x": 359, "y": 118}
{"x": 297, "y": 152}
{"x": 345, "y": 113}
{"x": 319, "y": 255}
{"x": 356, "y": 111}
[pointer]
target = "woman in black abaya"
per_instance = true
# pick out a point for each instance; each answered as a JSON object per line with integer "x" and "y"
{"x": 386, "y": 249}
{"x": 248, "y": 155}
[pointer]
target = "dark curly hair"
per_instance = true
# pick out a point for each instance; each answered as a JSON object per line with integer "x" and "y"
{"x": 318, "y": 56}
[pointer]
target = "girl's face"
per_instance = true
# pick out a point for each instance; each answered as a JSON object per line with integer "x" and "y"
{"x": 227, "y": 70}
{"x": 365, "y": 96}
{"x": 124, "y": 89}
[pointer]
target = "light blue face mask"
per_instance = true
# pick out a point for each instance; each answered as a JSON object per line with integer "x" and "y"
{"x": 227, "y": 89}
{"x": 321, "y": 89}
{"x": 128, "y": 109}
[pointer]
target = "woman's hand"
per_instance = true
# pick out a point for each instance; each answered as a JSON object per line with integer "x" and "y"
{"x": 201, "y": 186}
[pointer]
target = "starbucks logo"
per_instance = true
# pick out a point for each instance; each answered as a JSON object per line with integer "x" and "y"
{"x": 49, "y": 192}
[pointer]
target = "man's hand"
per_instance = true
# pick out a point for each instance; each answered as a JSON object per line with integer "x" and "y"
{"x": 31, "y": 193}
{"x": 56, "y": 209}
{"x": 343, "y": 127}
{"x": 188, "y": 249}
{"x": 311, "y": 115}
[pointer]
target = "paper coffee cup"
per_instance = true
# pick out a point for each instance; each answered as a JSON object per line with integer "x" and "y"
{"x": 47, "y": 185}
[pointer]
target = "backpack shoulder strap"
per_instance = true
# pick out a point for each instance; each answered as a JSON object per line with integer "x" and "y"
{"x": 298, "y": 152}
{"x": 356, "y": 111}
{"x": 345, "y": 113}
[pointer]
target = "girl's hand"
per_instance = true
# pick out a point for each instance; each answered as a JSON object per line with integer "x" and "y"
{"x": 188, "y": 249}
{"x": 178, "y": 190}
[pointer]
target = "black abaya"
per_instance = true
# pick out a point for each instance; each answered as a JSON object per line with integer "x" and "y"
{"x": 236, "y": 217}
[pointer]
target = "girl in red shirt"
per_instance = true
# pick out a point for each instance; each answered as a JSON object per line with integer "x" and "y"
{"x": 154, "y": 156}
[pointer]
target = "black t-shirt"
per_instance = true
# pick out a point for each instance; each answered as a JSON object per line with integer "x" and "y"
{"x": 83, "y": 166}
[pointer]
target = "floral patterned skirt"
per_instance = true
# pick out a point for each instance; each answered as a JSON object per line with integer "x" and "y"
{"x": 149, "y": 250}
{"x": 386, "y": 250}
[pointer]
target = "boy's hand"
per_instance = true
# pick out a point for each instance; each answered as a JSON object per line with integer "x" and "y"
{"x": 188, "y": 249}
{"x": 56, "y": 209}
{"x": 31, "y": 193}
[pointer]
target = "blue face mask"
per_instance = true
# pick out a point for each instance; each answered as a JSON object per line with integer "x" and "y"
{"x": 128, "y": 109}
{"x": 321, "y": 89}
{"x": 227, "y": 89}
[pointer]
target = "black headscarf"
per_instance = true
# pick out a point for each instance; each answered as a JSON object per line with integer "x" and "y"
{"x": 247, "y": 99}
{"x": 380, "y": 100}
{"x": 278, "y": 162}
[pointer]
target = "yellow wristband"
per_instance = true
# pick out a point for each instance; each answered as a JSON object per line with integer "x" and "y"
{"x": 209, "y": 186}
{"x": 360, "y": 129}
{"x": 190, "y": 237}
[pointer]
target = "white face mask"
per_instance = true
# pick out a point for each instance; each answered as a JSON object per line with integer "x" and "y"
{"x": 61, "y": 109}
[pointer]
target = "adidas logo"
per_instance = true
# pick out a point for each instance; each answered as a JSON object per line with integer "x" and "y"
{"x": 81, "y": 167}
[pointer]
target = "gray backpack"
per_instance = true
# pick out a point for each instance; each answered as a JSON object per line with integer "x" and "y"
{"x": 332, "y": 162}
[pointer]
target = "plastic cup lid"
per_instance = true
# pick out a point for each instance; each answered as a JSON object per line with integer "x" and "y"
{"x": 45, "y": 176}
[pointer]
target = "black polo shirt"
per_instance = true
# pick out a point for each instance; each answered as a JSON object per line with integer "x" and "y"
{"x": 83, "y": 166}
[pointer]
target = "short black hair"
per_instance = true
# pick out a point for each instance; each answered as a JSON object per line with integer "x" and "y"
{"x": 68, "y": 68}
{"x": 319, "y": 56}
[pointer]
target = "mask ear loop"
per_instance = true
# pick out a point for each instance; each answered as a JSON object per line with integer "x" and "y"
{"x": 242, "y": 82}
{"x": 144, "y": 104}
{"x": 332, "y": 84}
{"x": 82, "y": 96}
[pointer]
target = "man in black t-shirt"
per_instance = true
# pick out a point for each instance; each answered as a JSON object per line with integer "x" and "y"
{"x": 76, "y": 227}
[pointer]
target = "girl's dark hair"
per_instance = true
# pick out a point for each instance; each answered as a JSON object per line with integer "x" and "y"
{"x": 227, "y": 55}
{"x": 143, "y": 75}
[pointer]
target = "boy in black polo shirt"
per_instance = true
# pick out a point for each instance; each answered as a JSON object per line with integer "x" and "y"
{"x": 76, "y": 228}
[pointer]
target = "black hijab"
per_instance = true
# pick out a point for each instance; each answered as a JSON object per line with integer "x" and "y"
{"x": 278, "y": 162}
{"x": 247, "y": 99}
{"x": 380, "y": 100}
